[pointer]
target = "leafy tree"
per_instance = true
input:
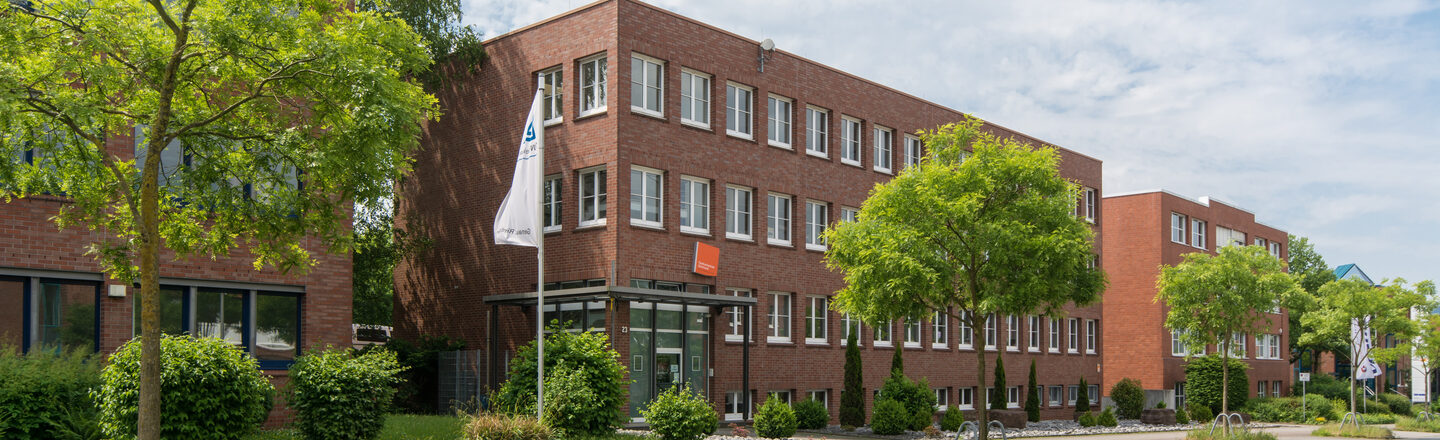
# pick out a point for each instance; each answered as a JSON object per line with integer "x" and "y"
{"x": 997, "y": 397}
{"x": 1386, "y": 308}
{"x": 991, "y": 233}
{"x": 1032, "y": 396}
{"x": 1205, "y": 382}
{"x": 1427, "y": 351}
{"x": 1210, "y": 298}
{"x": 852, "y": 398}
{"x": 261, "y": 97}
{"x": 438, "y": 22}
{"x": 1310, "y": 270}
{"x": 378, "y": 247}
{"x": 897, "y": 363}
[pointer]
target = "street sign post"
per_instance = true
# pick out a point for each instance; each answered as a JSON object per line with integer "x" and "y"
{"x": 1304, "y": 380}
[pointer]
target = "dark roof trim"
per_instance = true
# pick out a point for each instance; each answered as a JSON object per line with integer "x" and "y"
{"x": 600, "y": 293}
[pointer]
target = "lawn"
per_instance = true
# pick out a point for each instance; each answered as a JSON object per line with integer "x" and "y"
{"x": 1349, "y": 430}
{"x": 397, "y": 427}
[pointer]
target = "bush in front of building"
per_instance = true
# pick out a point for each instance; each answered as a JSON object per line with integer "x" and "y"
{"x": 1087, "y": 419}
{"x": 918, "y": 399}
{"x": 1129, "y": 398}
{"x": 890, "y": 418}
{"x": 1182, "y": 417}
{"x": 1032, "y": 396}
{"x": 680, "y": 413}
{"x": 1107, "y": 418}
{"x": 498, "y": 426}
{"x": 1203, "y": 382}
{"x": 852, "y": 398}
{"x": 1324, "y": 385}
{"x": 340, "y": 395}
{"x": 209, "y": 390}
{"x": 952, "y": 420}
{"x": 1082, "y": 397}
{"x": 811, "y": 414}
{"x": 1291, "y": 409}
{"x": 775, "y": 419}
{"x": 1201, "y": 413}
{"x": 601, "y": 375}
{"x": 997, "y": 398}
{"x": 1398, "y": 404}
{"x": 44, "y": 394}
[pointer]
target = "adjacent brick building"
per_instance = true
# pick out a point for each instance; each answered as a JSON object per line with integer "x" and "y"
{"x": 54, "y": 295}
{"x": 1148, "y": 229}
{"x": 676, "y": 121}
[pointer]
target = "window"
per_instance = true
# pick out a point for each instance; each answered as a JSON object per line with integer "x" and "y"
{"x": 173, "y": 305}
{"x": 1074, "y": 327}
{"x": 694, "y": 205}
{"x": 1275, "y": 249}
{"x": 967, "y": 335}
{"x": 1012, "y": 397}
{"x": 1034, "y": 333}
{"x": 1197, "y": 233}
{"x": 1237, "y": 345}
{"x": 912, "y": 151}
{"x": 821, "y": 396}
{"x": 778, "y": 118}
{"x": 778, "y": 220}
{"x": 171, "y": 158}
{"x": 849, "y": 326}
{"x": 1012, "y": 333}
{"x": 1074, "y": 391}
{"x": 1055, "y": 395}
{"x": 695, "y": 98}
{"x": 737, "y": 316}
{"x": 1054, "y": 335}
{"x": 1274, "y": 346}
{"x": 1276, "y": 388}
{"x": 942, "y": 398}
{"x": 734, "y": 405}
{"x": 1177, "y": 228}
{"x": 882, "y": 334}
{"x": 592, "y": 86}
{"x": 1179, "y": 395}
{"x": 647, "y": 85}
{"x": 1093, "y": 392}
{"x": 263, "y": 323}
{"x": 884, "y": 138}
{"x": 1267, "y": 346}
{"x": 1092, "y": 332}
{"x": 849, "y": 141}
{"x": 1177, "y": 343}
{"x": 990, "y": 331}
{"x": 552, "y": 96}
{"x": 51, "y": 315}
{"x": 739, "y": 102}
{"x": 1261, "y": 242}
{"x": 1260, "y": 388}
{"x": 552, "y": 203}
{"x": 782, "y": 395}
{"x": 940, "y": 326}
{"x": 592, "y": 197}
{"x": 1226, "y": 237}
{"x": 817, "y": 131}
{"x": 1089, "y": 204}
{"x": 645, "y": 193}
{"x": 779, "y": 317}
{"x": 737, "y": 212}
{"x": 965, "y": 398}
{"x": 848, "y": 214}
{"x": 816, "y": 323}
{"x": 817, "y": 215}
{"x": 912, "y": 332}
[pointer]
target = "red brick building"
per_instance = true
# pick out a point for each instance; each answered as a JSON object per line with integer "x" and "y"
{"x": 1148, "y": 229}
{"x": 703, "y": 138}
{"x": 54, "y": 295}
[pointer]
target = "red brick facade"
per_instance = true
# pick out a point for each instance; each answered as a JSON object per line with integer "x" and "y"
{"x": 1137, "y": 242}
{"x": 465, "y": 167}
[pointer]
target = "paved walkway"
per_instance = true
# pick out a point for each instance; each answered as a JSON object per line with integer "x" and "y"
{"x": 1284, "y": 432}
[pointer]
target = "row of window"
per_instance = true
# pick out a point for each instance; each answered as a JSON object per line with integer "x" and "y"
{"x": 964, "y": 397}
{"x": 817, "y": 327}
{"x": 1275, "y": 387}
{"x": 1267, "y": 346}
{"x": 1191, "y": 231}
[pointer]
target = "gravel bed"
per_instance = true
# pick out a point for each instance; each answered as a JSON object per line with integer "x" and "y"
{"x": 1045, "y": 428}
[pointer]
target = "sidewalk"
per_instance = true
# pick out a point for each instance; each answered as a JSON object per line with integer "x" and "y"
{"x": 1283, "y": 432}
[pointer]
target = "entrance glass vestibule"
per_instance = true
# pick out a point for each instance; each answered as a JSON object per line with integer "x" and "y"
{"x": 669, "y": 347}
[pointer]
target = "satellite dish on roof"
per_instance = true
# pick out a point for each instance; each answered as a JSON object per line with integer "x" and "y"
{"x": 767, "y": 45}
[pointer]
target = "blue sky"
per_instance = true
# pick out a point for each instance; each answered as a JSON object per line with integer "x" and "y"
{"x": 1322, "y": 117}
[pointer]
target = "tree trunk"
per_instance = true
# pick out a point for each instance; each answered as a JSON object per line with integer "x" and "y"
{"x": 984, "y": 423}
{"x": 149, "y": 420}
{"x": 1225, "y": 382}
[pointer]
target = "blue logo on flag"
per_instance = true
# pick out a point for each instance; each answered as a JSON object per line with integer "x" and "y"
{"x": 529, "y": 132}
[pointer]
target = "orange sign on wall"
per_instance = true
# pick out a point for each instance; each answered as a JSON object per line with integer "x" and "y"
{"x": 707, "y": 259}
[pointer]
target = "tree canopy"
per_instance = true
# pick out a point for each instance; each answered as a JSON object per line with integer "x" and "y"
{"x": 1310, "y": 270}
{"x": 1387, "y": 309}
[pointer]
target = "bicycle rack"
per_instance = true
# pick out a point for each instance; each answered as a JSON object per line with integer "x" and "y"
{"x": 1425, "y": 415}
{"x": 1224, "y": 418}
{"x": 1351, "y": 417}
{"x": 994, "y": 424}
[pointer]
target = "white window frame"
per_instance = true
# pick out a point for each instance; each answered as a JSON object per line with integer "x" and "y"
{"x": 884, "y": 149}
{"x": 1074, "y": 391}
{"x": 1177, "y": 344}
{"x": 1275, "y": 249}
{"x": 849, "y": 323}
{"x": 1054, "y": 335}
{"x": 553, "y": 202}
{"x": 912, "y": 151}
{"x": 1090, "y": 204}
{"x": 914, "y": 333}
{"x": 1092, "y": 335}
{"x": 694, "y": 204}
{"x": 1238, "y": 349}
{"x": 851, "y": 130}
{"x": 888, "y": 329}
{"x": 823, "y": 397}
{"x": 658, "y": 197}
{"x": 991, "y": 332}
{"x": 1262, "y": 346}
{"x": 779, "y": 324}
{"x": 554, "y": 95}
{"x": 1057, "y": 396}
{"x": 734, "y": 401}
{"x": 777, "y": 228}
{"x": 746, "y": 115}
{"x": 775, "y": 126}
{"x": 1277, "y": 386}
{"x": 942, "y": 398}
{"x": 1093, "y": 392}
{"x": 940, "y": 331}
{"x": 1073, "y": 340}
{"x": 784, "y": 396}
{"x": 965, "y": 397}
{"x": 736, "y": 316}
{"x": 1275, "y": 346}
{"x": 1197, "y": 233}
{"x": 1178, "y": 222}
{"x": 691, "y": 81}
{"x": 1034, "y": 345}
{"x": 642, "y": 79}
{"x": 848, "y": 214}
{"x": 817, "y": 323}
{"x": 732, "y": 215}
{"x": 1012, "y": 397}
{"x": 597, "y": 176}
{"x": 817, "y": 218}
{"x": 817, "y": 131}
{"x": 593, "y": 87}
{"x": 1012, "y": 333}
{"x": 965, "y": 335}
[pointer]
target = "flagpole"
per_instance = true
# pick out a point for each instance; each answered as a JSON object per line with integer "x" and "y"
{"x": 540, "y": 271}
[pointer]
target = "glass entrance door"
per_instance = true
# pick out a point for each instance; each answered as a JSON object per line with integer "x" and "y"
{"x": 667, "y": 370}
{"x": 668, "y": 347}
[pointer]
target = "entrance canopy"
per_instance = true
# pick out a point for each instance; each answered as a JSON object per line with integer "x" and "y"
{"x": 621, "y": 293}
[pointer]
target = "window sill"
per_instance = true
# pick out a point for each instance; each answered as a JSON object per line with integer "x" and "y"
{"x": 810, "y": 341}
{"x": 591, "y": 112}
{"x": 553, "y": 122}
{"x": 967, "y": 407}
{"x": 551, "y": 229}
{"x": 882, "y": 345}
{"x": 778, "y": 340}
{"x": 1073, "y": 352}
{"x": 939, "y": 347}
{"x": 647, "y": 225}
{"x": 915, "y": 345}
{"x": 695, "y": 124}
{"x": 779, "y": 243}
{"x": 737, "y": 237}
{"x": 591, "y": 225}
{"x": 780, "y": 145}
{"x": 647, "y": 112}
{"x": 820, "y": 154}
{"x": 883, "y": 170}
{"x": 1089, "y": 351}
{"x": 1056, "y": 351}
{"x": 1012, "y": 349}
{"x": 854, "y": 163}
{"x": 739, "y": 135}
{"x": 693, "y": 231}
{"x": 1034, "y": 350}
{"x": 816, "y": 247}
{"x": 1089, "y": 220}
{"x": 989, "y": 348}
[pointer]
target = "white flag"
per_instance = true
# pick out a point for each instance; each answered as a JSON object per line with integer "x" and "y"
{"x": 519, "y": 218}
{"x": 1365, "y": 367}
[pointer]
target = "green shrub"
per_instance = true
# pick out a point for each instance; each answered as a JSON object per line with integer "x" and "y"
{"x": 1290, "y": 409}
{"x": 419, "y": 389}
{"x": 897, "y": 363}
{"x": 339, "y": 396}
{"x": 1398, "y": 404}
{"x": 1160, "y": 405}
{"x": 497, "y": 426}
{"x": 44, "y": 394}
{"x": 208, "y": 390}
{"x": 568, "y": 399}
{"x": 775, "y": 419}
{"x": 1082, "y": 398}
{"x": 1318, "y": 406}
{"x": 1201, "y": 413}
{"x": 852, "y": 398}
{"x": 1182, "y": 417}
{"x": 1324, "y": 385}
{"x": 1087, "y": 419}
{"x": 680, "y": 413}
{"x": 890, "y": 418}
{"x": 1107, "y": 418}
{"x": 1032, "y": 396}
{"x": 997, "y": 399}
{"x": 918, "y": 399}
{"x": 1370, "y": 406}
{"x": 952, "y": 420}
{"x": 1203, "y": 381}
{"x": 1378, "y": 418}
{"x": 601, "y": 376}
{"x": 1129, "y": 398}
{"x": 811, "y": 414}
